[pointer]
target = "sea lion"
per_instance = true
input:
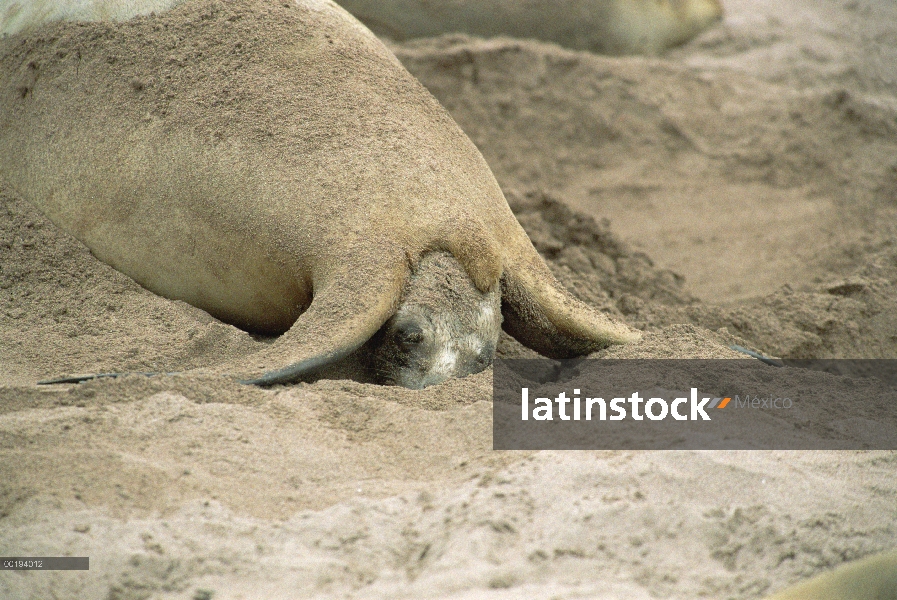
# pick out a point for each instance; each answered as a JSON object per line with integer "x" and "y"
{"x": 872, "y": 578}
{"x": 273, "y": 164}
{"x": 603, "y": 26}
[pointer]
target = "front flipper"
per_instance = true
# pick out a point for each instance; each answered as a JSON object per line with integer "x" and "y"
{"x": 349, "y": 308}
{"x": 541, "y": 314}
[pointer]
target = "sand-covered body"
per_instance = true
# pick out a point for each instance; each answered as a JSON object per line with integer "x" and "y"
{"x": 605, "y": 26}
{"x": 200, "y": 195}
{"x": 287, "y": 166}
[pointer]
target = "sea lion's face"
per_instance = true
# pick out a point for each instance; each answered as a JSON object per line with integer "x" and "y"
{"x": 443, "y": 328}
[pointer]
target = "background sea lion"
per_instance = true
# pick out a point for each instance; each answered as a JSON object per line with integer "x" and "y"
{"x": 604, "y": 26}
{"x": 872, "y": 578}
{"x": 294, "y": 192}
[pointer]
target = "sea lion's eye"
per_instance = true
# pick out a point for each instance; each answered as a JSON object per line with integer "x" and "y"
{"x": 409, "y": 334}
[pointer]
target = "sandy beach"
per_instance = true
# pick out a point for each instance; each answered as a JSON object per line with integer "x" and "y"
{"x": 737, "y": 190}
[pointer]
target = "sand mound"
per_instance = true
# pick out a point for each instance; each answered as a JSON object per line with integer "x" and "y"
{"x": 737, "y": 182}
{"x": 61, "y": 310}
{"x": 679, "y": 194}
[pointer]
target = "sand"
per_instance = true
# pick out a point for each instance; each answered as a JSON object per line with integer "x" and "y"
{"x": 739, "y": 190}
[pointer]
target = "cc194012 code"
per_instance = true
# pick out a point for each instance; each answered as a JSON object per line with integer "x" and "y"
{"x": 23, "y": 564}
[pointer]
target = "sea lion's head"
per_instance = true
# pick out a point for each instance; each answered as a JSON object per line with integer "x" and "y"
{"x": 444, "y": 327}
